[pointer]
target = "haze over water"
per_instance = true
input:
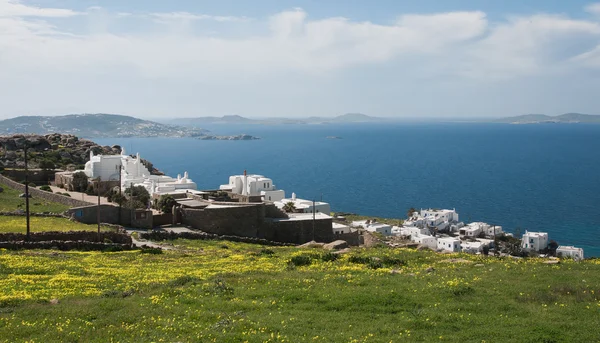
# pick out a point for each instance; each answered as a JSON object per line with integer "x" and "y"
{"x": 534, "y": 177}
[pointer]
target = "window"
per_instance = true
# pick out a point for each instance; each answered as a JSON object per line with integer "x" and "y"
{"x": 531, "y": 240}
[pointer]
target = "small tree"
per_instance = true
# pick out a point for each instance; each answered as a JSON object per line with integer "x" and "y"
{"x": 289, "y": 207}
{"x": 138, "y": 193}
{"x": 166, "y": 203}
{"x": 410, "y": 212}
{"x": 80, "y": 182}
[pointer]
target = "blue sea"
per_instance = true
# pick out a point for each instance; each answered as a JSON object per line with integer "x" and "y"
{"x": 522, "y": 177}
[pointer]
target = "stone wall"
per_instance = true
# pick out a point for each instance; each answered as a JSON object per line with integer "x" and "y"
{"x": 37, "y": 176}
{"x": 110, "y": 214}
{"x": 234, "y": 220}
{"x": 352, "y": 238}
{"x": 297, "y": 231}
{"x": 164, "y": 235}
{"x": 251, "y": 221}
{"x": 162, "y": 219}
{"x": 87, "y": 236}
{"x": 36, "y": 193}
{"x": 65, "y": 245}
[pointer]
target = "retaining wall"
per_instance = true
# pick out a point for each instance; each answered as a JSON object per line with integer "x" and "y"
{"x": 86, "y": 236}
{"x": 165, "y": 235}
{"x": 110, "y": 214}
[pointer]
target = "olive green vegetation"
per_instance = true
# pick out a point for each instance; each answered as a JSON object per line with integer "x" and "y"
{"x": 217, "y": 291}
{"x": 10, "y": 202}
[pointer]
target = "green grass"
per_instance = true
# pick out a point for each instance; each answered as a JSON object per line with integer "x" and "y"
{"x": 10, "y": 201}
{"x": 215, "y": 291}
{"x": 39, "y": 224}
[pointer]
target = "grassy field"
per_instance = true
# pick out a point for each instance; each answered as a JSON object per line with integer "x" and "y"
{"x": 39, "y": 224}
{"x": 10, "y": 201}
{"x": 213, "y": 291}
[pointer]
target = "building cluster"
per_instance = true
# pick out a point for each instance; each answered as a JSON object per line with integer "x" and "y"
{"x": 443, "y": 231}
{"x": 438, "y": 229}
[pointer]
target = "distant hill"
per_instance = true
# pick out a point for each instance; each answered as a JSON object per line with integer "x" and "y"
{"x": 95, "y": 126}
{"x": 236, "y": 119}
{"x": 542, "y": 118}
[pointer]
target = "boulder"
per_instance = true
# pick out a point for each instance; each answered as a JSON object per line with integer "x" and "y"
{"x": 343, "y": 251}
{"x": 336, "y": 245}
{"x": 311, "y": 244}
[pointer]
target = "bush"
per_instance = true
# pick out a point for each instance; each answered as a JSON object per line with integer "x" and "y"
{"x": 165, "y": 203}
{"x": 152, "y": 251}
{"x": 329, "y": 257}
{"x": 46, "y": 188}
{"x": 301, "y": 260}
{"x": 80, "y": 182}
{"x": 139, "y": 193}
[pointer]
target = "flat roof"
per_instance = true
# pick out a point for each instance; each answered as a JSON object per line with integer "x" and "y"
{"x": 303, "y": 216}
{"x": 191, "y": 203}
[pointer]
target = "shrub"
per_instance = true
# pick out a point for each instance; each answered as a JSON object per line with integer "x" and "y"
{"x": 46, "y": 188}
{"x": 80, "y": 182}
{"x": 329, "y": 257}
{"x": 300, "y": 260}
{"x": 139, "y": 193}
{"x": 153, "y": 251}
{"x": 165, "y": 203}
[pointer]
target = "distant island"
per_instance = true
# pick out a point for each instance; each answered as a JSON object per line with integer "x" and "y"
{"x": 236, "y": 119}
{"x": 567, "y": 118}
{"x": 102, "y": 125}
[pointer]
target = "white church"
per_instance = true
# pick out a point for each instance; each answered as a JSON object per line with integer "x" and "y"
{"x": 134, "y": 173}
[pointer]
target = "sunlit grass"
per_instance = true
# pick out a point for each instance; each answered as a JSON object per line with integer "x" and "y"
{"x": 216, "y": 291}
{"x": 10, "y": 202}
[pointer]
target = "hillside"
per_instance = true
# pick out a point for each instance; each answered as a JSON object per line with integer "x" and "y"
{"x": 236, "y": 119}
{"x": 95, "y": 126}
{"x": 219, "y": 291}
{"x": 542, "y": 118}
{"x": 52, "y": 151}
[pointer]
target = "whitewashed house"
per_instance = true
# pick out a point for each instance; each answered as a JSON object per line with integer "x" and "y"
{"x": 471, "y": 230}
{"x": 448, "y": 244}
{"x": 428, "y": 241}
{"x": 339, "y": 229}
{"x": 304, "y": 206}
{"x": 534, "y": 241}
{"x": 433, "y": 219}
{"x": 570, "y": 251}
{"x": 370, "y": 226}
{"x": 254, "y": 185}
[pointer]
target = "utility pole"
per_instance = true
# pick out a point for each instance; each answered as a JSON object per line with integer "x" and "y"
{"x": 98, "y": 210}
{"x": 313, "y": 233}
{"x": 26, "y": 192}
{"x": 120, "y": 167}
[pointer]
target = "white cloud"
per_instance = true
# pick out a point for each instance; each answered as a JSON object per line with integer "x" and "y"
{"x": 465, "y": 46}
{"x": 175, "y": 16}
{"x": 14, "y": 8}
{"x": 593, "y": 8}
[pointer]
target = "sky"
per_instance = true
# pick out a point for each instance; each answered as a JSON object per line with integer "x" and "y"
{"x": 283, "y": 58}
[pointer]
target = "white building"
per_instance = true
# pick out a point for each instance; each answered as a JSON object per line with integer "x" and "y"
{"x": 339, "y": 229}
{"x": 570, "y": 251}
{"x": 134, "y": 173}
{"x": 448, "y": 244}
{"x": 304, "y": 206}
{"x": 473, "y": 230}
{"x": 254, "y": 185}
{"x": 428, "y": 241}
{"x": 415, "y": 231}
{"x": 105, "y": 167}
{"x": 535, "y": 241}
{"x": 433, "y": 219}
{"x": 370, "y": 226}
